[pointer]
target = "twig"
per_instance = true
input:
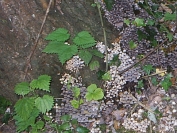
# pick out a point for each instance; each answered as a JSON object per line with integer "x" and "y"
{"x": 104, "y": 34}
{"x": 141, "y": 104}
{"x": 164, "y": 71}
{"x": 143, "y": 57}
{"x": 28, "y": 60}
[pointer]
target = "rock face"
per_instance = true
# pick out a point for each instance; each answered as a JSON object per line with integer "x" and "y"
{"x": 20, "y": 22}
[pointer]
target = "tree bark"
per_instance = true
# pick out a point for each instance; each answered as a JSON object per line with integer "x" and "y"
{"x": 20, "y": 23}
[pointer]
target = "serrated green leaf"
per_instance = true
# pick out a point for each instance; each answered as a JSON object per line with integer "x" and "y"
{"x": 109, "y": 4}
{"x": 98, "y": 94}
{"x": 169, "y": 16}
{"x": 81, "y": 129}
{"x": 84, "y": 39}
{"x": 139, "y": 22}
{"x": 170, "y": 36}
{"x": 53, "y": 47}
{"x": 127, "y": 22}
{"x": 94, "y": 65}
{"x": 45, "y": 103}
{"x": 66, "y": 52}
{"x": 166, "y": 82}
{"x": 24, "y": 107}
{"x": 65, "y": 118}
{"x": 148, "y": 69}
{"x": 39, "y": 124}
{"x": 85, "y": 55}
{"x": 22, "y": 88}
{"x": 75, "y": 103}
{"x": 60, "y": 34}
{"x": 132, "y": 45}
{"x": 43, "y": 83}
{"x": 76, "y": 92}
{"x": 96, "y": 53}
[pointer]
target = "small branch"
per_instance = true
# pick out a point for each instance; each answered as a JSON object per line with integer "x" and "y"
{"x": 141, "y": 104}
{"x": 28, "y": 60}
{"x": 104, "y": 34}
{"x": 143, "y": 57}
{"x": 155, "y": 74}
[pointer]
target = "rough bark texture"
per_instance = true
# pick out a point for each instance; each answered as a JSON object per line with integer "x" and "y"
{"x": 20, "y": 21}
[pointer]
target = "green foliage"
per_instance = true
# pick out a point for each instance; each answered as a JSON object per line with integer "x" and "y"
{"x": 4, "y": 104}
{"x": 166, "y": 82}
{"x": 22, "y": 88}
{"x": 84, "y": 40}
{"x": 139, "y": 22}
{"x": 94, "y": 93}
{"x": 107, "y": 76}
{"x": 28, "y": 109}
{"x": 169, "y": 16}
{"x": 127, "y": 22}
{"x": 94, "y": 65}
{"x": 109, "y": 4}
{"x": 42, "y": 83}
{"x": 44, "y": 104}
{"x": 59, "y": 35}
{"x": 148, "y": 69}
{"x": 115, "y": 61}
{"x": 140, "y": 84}
{"x": 81, "y": 44}
{"x": 132, "y": 45}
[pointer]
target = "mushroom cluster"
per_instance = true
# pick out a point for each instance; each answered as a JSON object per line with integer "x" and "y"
{"x": 74, "y": 64}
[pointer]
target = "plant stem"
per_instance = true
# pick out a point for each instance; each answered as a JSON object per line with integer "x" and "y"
{"x": 104, "y": 34}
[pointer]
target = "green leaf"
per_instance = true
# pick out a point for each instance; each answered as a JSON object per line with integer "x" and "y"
{"x": 22, "y": 88}
{"x": 140, "y": 84}
{"x": 109, "y": 4}
{"x": 75, "y": 103}
{"x": 166, "y": 83}
{"x": 107, "y": 76}
{"x": 169, "y": 16}
{"x": 96, "y": 53}
{"x": 98, "y": 94}
{"x": 53, "y": 47}
{"x": 74, "y": 122}
{"x": 141, "y": 35}
{"x": 148, "y": 69}
{"x": 84, "y": 39}
{"x": 81, "y": 129}
{"x": 94, "y": 65}
{"x": 66, "y": 52}
{"x": 24, "y": 107}
{"x": 127, "y": 22}
{"x": 45, "y": 103}
{"x": 132, "y": 45}
{"x": 85, "y": 55}
{"x": 170, "y": 36}
{"x": 60, "y": 34}
{"x": 150, "y": 22}
{"x": 76, "y": 92}
{"x": 65, "y": 118}
{"x": 115, "y": 61}
{"x": 65, "y": 126}
{"x": 94, "y": 93}
{"x": 43, "y": 83}
{"x": 139, "y": 22}
{"x": 154, "y": 81}
{"x": 39, "y": 124}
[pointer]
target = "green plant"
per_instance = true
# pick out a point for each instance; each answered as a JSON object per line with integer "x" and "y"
{"x": 94, "y": 93}
{"x": 69, "y": 125}
{"x": 82, "y": 44}
{"x": 76, "y": 100}
{"x": 31, "y": 107}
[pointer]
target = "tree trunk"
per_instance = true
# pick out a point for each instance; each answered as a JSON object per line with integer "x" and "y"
{"x": 20, "y": 23}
